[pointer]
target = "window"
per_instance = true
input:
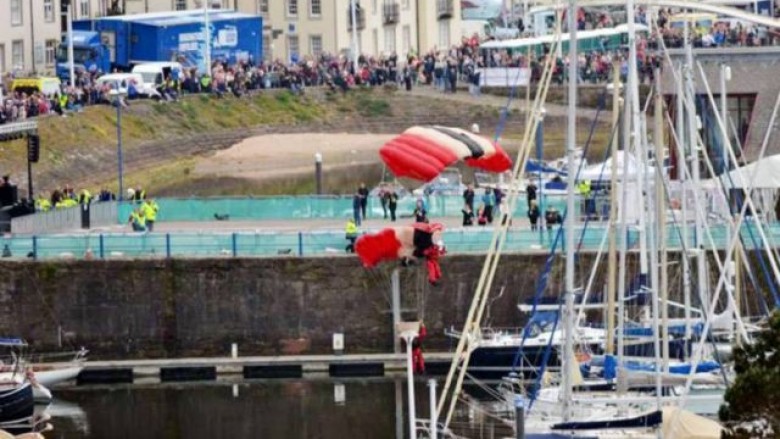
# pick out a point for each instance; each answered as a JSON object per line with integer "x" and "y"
{"x": 48, "y": 10}
{"x": 375, "y": 35}
{"x": 180, "y": 5}
{"x": 292, "y": 7}
{"x": 389, "y": 40}
{"x": 17, "y": 55}
{"x": 262, "y": 7}
{"x": 407, "y": 39}
{"x": 315, "y": 8}
{"x": 2, "y": 58}
{"x": 315, "y": 45}
{"x": 444, "y": 34}
{"x": 16, "y": 12}
{"x": 84, "y": 8}
{"x": 293, "y": 48}
{"x": 267, "y": 48}
{"x": 51, "y": 51}
{"x": 374, "y": 6}
{"x": 406, "y": 4}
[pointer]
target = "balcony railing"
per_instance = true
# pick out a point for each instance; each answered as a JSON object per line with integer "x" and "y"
{"x": 390, "y": 13}
{"x": 445, "y": 9}
{"x": 359, "y": 15}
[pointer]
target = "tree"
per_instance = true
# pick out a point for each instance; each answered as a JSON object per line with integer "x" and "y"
{"x": 752, "y": 403}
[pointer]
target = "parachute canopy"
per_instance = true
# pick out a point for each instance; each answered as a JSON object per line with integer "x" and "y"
{"x": 421, "y": 153}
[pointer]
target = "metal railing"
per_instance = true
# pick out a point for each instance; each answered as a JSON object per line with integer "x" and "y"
{"x": 314, "y": 243}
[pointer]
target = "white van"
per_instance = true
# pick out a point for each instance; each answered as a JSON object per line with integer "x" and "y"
{"x": 121, "y": 82}
{"x": 154, "y": 73}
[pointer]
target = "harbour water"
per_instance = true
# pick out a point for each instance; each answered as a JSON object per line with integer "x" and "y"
{"x": 286, "y": 409}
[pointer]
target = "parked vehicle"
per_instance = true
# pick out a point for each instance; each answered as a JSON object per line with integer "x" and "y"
{"x": 45, "y": 85}
{"x": 125, "y": 82}
{"x": 118, "y": 43}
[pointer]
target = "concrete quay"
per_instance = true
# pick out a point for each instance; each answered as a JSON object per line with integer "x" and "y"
{"x": 254, "y": 367}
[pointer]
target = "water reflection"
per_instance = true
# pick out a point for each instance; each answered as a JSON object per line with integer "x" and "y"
{"x": 284, "y": 409}
{"x": 268, "y": 409}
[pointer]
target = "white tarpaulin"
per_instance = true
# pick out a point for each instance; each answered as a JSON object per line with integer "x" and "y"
{"x": 764, "y": 174}
{"x": 603, "y": 171}
{"x": 681, "y": 424}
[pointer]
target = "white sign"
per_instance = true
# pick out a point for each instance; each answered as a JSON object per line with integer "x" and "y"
{"x": 227, "y": 37}
{"x": 504, "y": 76}
{"x": 190, "y": 42}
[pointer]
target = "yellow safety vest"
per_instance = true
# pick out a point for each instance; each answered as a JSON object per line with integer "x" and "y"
{"x": 150, "y": 210}
{"x": 42, "y": 204}
{"x": 352, "y": 229}
{"x": 138, "y": 219}
{"x": 86, "y": 195}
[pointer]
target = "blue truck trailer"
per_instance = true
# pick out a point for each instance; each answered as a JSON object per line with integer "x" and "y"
{"x": 120, "y": 42}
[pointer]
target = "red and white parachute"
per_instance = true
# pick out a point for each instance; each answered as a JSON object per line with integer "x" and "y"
{"x": 421, "y": 153}
{"x": 420, "y": 240}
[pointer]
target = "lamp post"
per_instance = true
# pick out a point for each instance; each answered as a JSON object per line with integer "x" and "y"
{"x": 318, "y": 172}
{"x": 116, "y": 98}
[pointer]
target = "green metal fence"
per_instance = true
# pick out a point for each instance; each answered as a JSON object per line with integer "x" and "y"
{"x": 310, "y": 207}
{"x": 311, "y": 243}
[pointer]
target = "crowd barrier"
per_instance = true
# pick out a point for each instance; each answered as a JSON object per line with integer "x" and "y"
{"x": 58, "y": 220}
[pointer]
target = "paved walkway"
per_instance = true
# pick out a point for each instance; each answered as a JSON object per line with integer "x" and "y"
{"x": 518, "y": 103}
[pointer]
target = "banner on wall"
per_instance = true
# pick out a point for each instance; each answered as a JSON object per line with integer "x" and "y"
{"x": 481, "y": 9}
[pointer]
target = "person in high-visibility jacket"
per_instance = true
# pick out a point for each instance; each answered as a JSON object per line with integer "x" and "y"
{"x": 66, "y": 203}
{"x": 137, "y": 220}
{"x": 42, "y": 204}
{"x": 150, "y": 209}
{"x": 351, "y": 235}
{"x": 584, "y": 188}
{"x": 85, "y": 197}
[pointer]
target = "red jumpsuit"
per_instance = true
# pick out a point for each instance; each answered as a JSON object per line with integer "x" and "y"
{"x": 432, "y": 255}
{"x": 418, "y": 362}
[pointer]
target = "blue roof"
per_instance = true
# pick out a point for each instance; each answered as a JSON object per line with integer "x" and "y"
{"x": 174, "y": 18}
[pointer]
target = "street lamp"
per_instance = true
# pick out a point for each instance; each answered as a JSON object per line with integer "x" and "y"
{"x": 318, "y": 172}
{"x": 116, "y": 99}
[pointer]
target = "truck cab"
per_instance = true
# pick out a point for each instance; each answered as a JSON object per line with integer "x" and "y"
{"x": 88, "y": 53}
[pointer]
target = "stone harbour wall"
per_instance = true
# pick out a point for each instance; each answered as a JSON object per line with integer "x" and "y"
{"x": 287, "y": 305}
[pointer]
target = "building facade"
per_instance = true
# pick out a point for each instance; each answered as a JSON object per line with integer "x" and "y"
{"x": 30, "y": 30}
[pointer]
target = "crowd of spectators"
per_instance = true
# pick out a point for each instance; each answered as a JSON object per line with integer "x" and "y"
{"x": 442, "y": 69}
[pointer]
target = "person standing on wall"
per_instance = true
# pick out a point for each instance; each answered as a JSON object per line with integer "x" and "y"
{"x": 356, "y": 203}
{"x": 363, "y": 193}
{"x": 530, "y": 194}
{"x": 392, "y": 203}
{"x": 468, "y": 197}
{"x": 533, "y": 215}
{"x": 488, "y": 201}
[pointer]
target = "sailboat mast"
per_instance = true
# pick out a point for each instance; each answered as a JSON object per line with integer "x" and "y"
{"x": 663, "y": 286}
{"x": 682, "y": 178}
{"x": 698, "y": 234}
{"x": 612, "y": 266}
{"x": 571, "y": 139}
